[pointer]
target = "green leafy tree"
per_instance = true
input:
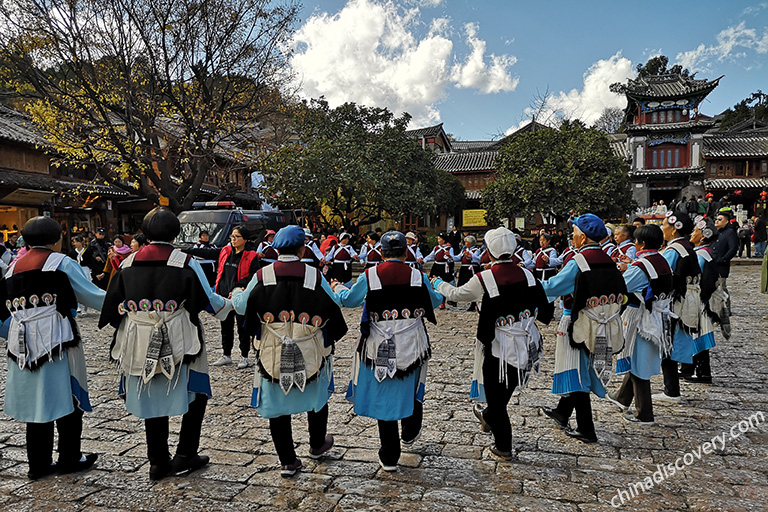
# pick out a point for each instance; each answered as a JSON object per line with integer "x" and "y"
{"x": 658, "y": 66}
{"x": 147, "y": 93}
{"x": 354, "y": 163}
{"x": 558, "y": 171}
{"x": 754, "y": 108}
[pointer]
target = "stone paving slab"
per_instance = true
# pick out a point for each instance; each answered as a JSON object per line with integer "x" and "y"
{"x": 450, "y": 468}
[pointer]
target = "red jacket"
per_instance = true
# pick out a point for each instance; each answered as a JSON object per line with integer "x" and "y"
{"x": 242, "y": 268}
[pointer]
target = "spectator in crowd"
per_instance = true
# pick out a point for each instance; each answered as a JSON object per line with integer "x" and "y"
{"x": 761, "y": 236}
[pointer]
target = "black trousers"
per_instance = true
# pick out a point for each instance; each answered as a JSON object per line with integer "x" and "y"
{"x": 671, "y": 377}
{"x": 498, "y": 395}
{"x": 580, "y": 402}
{"x": 228, "y": 334}
{"x": 700, "y": 365}
{"x": 745, "y": 243}
{"x": 282, "y": 435}
{"x": 189, "y": 435}
{"x": 389, "y": 453}
{"x": 639, "y": 390}
{"x": 40, "y": 441}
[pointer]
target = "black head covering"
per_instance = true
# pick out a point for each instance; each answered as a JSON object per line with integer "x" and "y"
{"x": 681, "y": 222}
{"x": 161, "y": 225}
{"x": 41, "y": 231}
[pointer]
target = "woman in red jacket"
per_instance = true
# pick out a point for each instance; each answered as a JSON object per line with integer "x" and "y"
{"x": 237, "y": 265}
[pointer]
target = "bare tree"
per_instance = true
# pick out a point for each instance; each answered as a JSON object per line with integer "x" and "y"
{"x": 610, "y": 120}
{"x": 147, "y": 92}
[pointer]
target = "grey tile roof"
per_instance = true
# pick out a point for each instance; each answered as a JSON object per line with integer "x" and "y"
{"x": 429, "y": 131}
{"x": 466, "y": 146}
{"x": 618, "y": 143}
{"x": 16, "y": 126}
{"x": 467, "y": 162}
{"x": 664, "y": 173}
{"x": 667, "y": 86}
{"x": 39, "y": 181}
{"x": 730, "y": 183}
{"x": 723, "y": 145}
{"x": 671, "y": 126}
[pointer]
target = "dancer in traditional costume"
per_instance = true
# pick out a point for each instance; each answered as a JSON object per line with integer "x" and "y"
{"x": 625, "y": 250}
{"x": 311, "y": 254}
{"x": 370, "y": 253}
{"x": 470, "y": 264}
{"x": 712, "y": 302}
{"x": 545, "y": 258}
{"x": 508, "y": 346}
{"x": 292, "y": 312}
{"x": 154, "y": 302}
{"x": 607, "y": 244}
{"x": 647, "y": 322}
{"x": 266, "y": 253}
{"x": 390, "y": 366}
{"x": 413, "y": 256}
{"x": 47, "y": 381}
{"x": 523, "y": 256}
{"x": 443, "y": 258}
{"x": 686, "y": 303}
{"x": 589, "y": 332}
{"x": 340, "y": 257}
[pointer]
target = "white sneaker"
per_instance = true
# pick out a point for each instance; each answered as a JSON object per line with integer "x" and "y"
{"x": 244, "y": 363}
{"x": 221, "y": 362}
{"x": 663, "y": 397}
{"x": 388, "y": 469}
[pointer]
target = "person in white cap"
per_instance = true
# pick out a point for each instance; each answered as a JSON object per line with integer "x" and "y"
{"x": 508, "y": 348}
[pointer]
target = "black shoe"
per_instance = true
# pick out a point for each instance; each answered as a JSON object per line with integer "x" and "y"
{"x": 472, "y": 307}
{"x": 81, "y": 465}
{"x": 188, "y": 463}
{"x": 478, "y": 410}
{"x": 159, "y": 471}
{"x": 319, "y": 452}
{"x": 574, "y": 433}
{"x": 559, "y": 419}
{"x": 703, "y": 379}
{"x": 500, "y": 454}
{"x": 36, "y": 474}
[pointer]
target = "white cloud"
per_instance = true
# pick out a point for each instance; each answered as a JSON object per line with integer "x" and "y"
{"x": 732, "y": 43}
{"x": 370, "y": 53}
{"x": 588, "y": 103}
{"x": 474, "y": 73}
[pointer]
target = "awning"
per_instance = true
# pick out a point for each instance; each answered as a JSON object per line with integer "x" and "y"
{"x": 733, "y": 183}
{"x": 28, "y": 197}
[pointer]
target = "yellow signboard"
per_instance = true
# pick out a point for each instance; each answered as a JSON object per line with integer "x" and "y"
{"x": 473, "y": 218}
{"x": 164, "y": 201}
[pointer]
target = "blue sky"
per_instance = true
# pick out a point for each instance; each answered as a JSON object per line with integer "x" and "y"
{"x": 478, "y": 65}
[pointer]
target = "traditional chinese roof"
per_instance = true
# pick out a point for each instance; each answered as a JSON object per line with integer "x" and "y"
{"x": 41, "y": 181}
{"x": 465, "y": 146}
{"x": 736, "y": 145}
{"x": 17, "y": 126}
{"x": 667, "y": 86}
{"x": 705, "y": 123}
{"x": 663, "y": 173}
{"x": 429, "y": 131}
{"x": 730, "y": 183}
{"x": 467, "y": 162}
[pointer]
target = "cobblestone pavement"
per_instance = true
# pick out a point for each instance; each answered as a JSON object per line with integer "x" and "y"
{"x": 450, "y": 468}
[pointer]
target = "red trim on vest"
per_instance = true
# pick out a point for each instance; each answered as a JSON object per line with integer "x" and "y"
{"x": 242, "y": 268}
{"x": 34, "y": 259}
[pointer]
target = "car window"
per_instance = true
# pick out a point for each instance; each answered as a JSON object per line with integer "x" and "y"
{"x": 192, "y": 223}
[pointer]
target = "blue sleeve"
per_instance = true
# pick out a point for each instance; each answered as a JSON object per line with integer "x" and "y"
{"x": 554, "y": 260}
{"x": 434, "y": 295}
{"x": 327, "y": 287}
{"x": 632, "y": 252}
{"x": 316, "y": 252}
{"x": 702, "y": 262}
{"x": 86, "y": 292}
{"x": 476, "y": 257}
{"x": 353, "y": 297}
{"x": 454, "y": 257}
{"x": 240, "y": 298}
{"x": 430, "y": 256}
{"x": 671, "y": 256}
{"x": 636, "y": 279}
{"x": 217, "y": 305}
{"x": 563, "y": 283}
